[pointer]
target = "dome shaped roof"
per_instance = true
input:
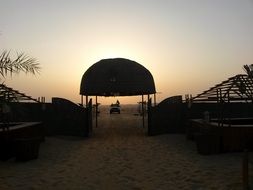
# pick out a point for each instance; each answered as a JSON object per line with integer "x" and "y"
{"x": 117, "y": 77}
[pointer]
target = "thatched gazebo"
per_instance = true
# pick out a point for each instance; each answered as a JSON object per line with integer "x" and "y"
{"x": 117, "y": 77}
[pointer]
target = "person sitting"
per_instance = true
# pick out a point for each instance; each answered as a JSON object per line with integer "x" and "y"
{"x": 118, "y": 102}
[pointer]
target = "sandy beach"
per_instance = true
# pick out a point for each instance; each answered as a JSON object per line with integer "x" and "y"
{"x": 120, "y": 155}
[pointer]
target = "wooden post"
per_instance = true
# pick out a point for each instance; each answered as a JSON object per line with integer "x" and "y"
{"x": 87, "y": 101}
{"x": 154, "y": 99}
{"x": 218, "y": 106}
{"x": 149, "y": 116}
{"x": 142, "y": 107}
{"x": 96, "y": 111}
{"x": 147, "y": 107}
{"x": 82, "y": 100}
{"x": 222, "y": 108}
{"x": 229, "y": 116}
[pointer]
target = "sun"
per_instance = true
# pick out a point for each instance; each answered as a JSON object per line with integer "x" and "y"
{"x": 111, "y": 54}
{"x": 115, "y": 52}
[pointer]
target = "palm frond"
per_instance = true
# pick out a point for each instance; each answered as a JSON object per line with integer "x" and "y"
{"x": 22, "y": 63}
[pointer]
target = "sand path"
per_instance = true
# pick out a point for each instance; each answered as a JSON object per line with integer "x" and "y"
{"x": 121, "y": 156}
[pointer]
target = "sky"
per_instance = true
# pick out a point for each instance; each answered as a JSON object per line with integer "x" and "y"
{"x": 187, "y": 45}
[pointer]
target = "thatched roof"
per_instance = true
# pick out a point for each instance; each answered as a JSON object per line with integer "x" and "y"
{"x": 117, "y": 77}
{"x": 237, "y": 89}
{"x": 9, "y": 94}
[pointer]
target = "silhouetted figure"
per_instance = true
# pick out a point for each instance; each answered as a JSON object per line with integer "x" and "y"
{"x": 118, "y": 102}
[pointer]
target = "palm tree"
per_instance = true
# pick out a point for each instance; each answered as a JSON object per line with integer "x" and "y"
{"x": 10, "y": 65}
{"x": 22, "y": 63}
{"x": 248, "y": 69}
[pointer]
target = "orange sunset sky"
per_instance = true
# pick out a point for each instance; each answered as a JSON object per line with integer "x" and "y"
{"x": 187, "y": 45}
